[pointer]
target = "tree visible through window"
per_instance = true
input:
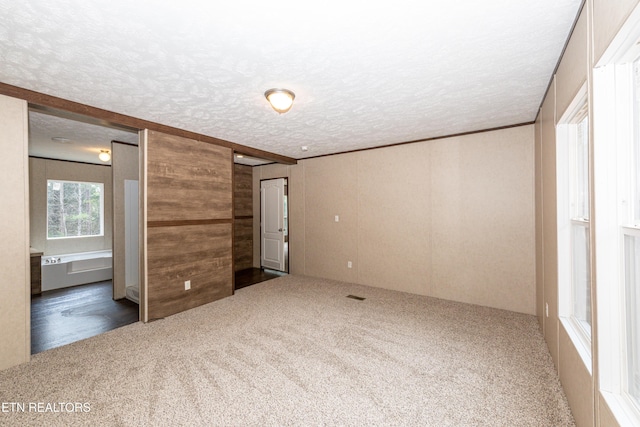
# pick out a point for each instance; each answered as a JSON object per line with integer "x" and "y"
{"x": 74, "y": 209}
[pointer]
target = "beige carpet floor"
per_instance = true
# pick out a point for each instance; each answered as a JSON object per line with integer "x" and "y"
{"x": 296, "y": 351}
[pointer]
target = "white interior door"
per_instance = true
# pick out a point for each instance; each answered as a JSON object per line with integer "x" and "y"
{"x": 272, "y": 225}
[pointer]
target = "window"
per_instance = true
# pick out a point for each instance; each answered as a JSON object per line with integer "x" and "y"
{"x": 74, "y": 209}
{"x": 580, "y": 264}
{"x": 574, "y": 256}
{"x": 635, "y": 150}
{"x": 616, "y": 229}
{"x": 632, "y": 296}
{"x": 631, "y": 252}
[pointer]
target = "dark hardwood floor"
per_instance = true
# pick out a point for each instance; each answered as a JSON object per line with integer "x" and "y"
{"x": 251, "y": 276}
{"x": 63, "y": 316}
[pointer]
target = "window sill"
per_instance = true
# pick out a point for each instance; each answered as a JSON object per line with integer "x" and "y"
{"x": 625, "y": 412}
{"x": 75, "y": 237}
{"x": 631, "y": 230}
{"x": 577, "y": 338}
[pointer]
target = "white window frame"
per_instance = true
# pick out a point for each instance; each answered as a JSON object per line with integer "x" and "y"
{"x": 102, "y": 213}
{"x": 568, "y": 221}
{"x": 613, "y": 176}
{"x": 633, "y": 232}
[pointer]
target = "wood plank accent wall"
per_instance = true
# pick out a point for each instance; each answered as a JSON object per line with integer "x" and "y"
{"x": 187, "y": 179}
{"x": 189, "y": 223}
{"x": 199, "y": 253}
{"x": 243, "y": 191}
{"x": 243, "y": 221}
{"x": 243, "y": 243}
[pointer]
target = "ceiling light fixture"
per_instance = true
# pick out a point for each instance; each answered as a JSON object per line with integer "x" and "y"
{"x": 104, "y": 155}
{"x": 281, "y": 100}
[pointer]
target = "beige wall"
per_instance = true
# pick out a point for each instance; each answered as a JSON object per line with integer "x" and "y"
{"x": 573, "y": 69}
{"x": 124, "y": 165}
{"x": 575, "y": 379}
{"x": 450, "y": 218}
{"x": 394, "y": 217}
{"x": 608, "y": 18}
{"x": 575, "y": 376}
{"x": 482, "y": 224}
{"x": 331, "y": 188}
{"x": 550, "y": 227}
{"x": 539, "y": 224}
{"x": 598, "y": 24}
{"x": 15, "y": 336}
{"x": 40, "y": 170}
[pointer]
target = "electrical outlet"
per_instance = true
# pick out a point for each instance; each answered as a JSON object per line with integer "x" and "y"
{"x": 337, "y": 218}
{"x": 546, "y": 308}
{"x": 349, "y": 264}
{"x": 187, "y": 285}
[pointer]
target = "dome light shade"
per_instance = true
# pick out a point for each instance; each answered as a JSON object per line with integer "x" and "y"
{"x": 281, "y": 100}
{"x": 104, "y": 155}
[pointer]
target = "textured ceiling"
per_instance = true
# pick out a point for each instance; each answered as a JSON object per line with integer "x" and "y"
{"x": 364, "y": 73}
{"x": 82, "y": 141}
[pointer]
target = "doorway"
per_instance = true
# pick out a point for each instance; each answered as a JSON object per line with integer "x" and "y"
{"x": 274, "y": 224}
{"x": 73, "y": 291}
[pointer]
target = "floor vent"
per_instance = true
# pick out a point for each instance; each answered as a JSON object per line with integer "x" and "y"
{"x": 355, "y": 297}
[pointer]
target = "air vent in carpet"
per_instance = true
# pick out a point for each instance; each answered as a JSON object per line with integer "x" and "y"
{"x": 355, "y": 297}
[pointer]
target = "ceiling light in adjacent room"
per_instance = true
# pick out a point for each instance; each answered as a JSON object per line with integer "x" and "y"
{"x": 104, "y": 155}
{"x": 281, "y": 100}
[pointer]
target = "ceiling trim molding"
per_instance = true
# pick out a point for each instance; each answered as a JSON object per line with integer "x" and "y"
{"x": 71, "y": 161}
{"x": 124, "y": 143}
{"x": 564, "y": 49}
{"x": 110, "y": 118}
{"x": 395, "y": 144}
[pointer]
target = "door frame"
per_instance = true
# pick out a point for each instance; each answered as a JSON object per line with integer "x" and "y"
{"x": 287, "y": 247}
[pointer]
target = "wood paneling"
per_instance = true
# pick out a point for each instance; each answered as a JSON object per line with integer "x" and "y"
{"x": 187, "y": 179}
{"x": 36, "y": 274}
{"x": 243, "y": 191}
{"x": 243, "y": 243}
{"x": 243, "y": 213}
{"x": 199, "y": 253}
{"x": 189, "y": 224}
